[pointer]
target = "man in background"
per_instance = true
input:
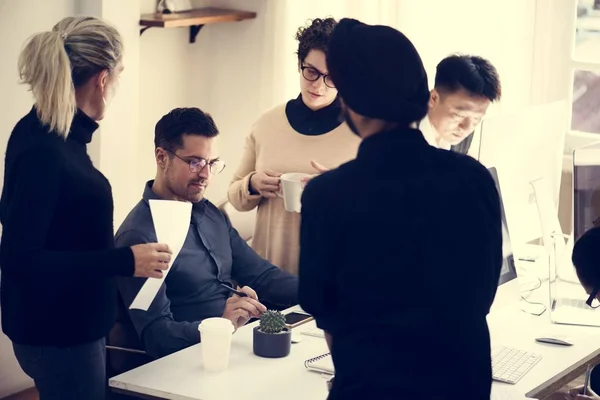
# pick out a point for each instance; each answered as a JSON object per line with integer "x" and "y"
{"x": 401, "y": 248}
{"x": 465, "y": 86}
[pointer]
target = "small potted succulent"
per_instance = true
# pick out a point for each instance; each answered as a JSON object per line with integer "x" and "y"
{"x": 272, "y": 338}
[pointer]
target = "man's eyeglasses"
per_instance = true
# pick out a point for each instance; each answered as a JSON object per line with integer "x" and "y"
{"x": 592, "y": 301}
{"x": 197, "y": 164}
{"x": 313, "y": 74}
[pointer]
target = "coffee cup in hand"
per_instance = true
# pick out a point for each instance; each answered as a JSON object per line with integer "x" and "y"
{"x": 291, "y": 190}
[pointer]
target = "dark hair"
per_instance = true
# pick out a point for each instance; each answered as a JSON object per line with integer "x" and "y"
{"x": 314, "y": 36}
{"x": 474, "y": 74}
{"x": 170, "y": 129}
{"x": 586, "y": 257}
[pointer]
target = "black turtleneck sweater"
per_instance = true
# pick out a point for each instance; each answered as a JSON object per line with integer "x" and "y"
{"x": 57, "y": 252}
{"x": 395, "y": 237}
{"x": 309, "y": 122}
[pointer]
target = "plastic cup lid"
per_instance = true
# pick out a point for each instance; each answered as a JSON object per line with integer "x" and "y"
{"x": 216, "y": 324}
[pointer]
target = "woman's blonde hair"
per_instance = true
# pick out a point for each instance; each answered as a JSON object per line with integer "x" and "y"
{"x": 54, "y": 63}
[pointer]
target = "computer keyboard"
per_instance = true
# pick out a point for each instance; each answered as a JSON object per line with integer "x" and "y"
{"x": 510, "y": 364}
{"x": 575, "y": 303}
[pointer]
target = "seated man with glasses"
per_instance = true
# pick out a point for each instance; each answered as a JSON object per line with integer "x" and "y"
{"x": 213, "y": 254}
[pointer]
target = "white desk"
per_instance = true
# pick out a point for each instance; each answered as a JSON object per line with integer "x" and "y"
{"x": 180, "y": 376}
{"x": 560, "y": 364}
{"x": 510, "y": 326}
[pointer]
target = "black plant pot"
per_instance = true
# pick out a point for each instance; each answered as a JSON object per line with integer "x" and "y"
{"x": 272, "y": 345}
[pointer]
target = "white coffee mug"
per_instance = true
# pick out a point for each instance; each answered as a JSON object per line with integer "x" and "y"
{"x": 292, "y": 187}
{"x": 215, "y": 339}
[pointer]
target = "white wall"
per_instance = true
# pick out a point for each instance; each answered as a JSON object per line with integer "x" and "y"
{"x": 119, "y": 132}
{"x": 173, "y": 73}
{"x": 552, "y": 81}
{"x": 501, "y": 31}
{"x": 556, "y": 27}
{"x": 236, "y": 94}
{"x": 229, "y": 58}
{"x": 237, "y": 70}
{"x": 527, "y": 40}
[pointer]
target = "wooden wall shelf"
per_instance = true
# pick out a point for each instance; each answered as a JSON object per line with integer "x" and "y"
{"x": 195, "y": 19}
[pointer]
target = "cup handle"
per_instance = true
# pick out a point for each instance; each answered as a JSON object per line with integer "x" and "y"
{"x": 278, "y": 193}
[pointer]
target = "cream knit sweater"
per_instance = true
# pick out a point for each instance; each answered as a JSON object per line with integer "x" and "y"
{"x": 273, "y": 144}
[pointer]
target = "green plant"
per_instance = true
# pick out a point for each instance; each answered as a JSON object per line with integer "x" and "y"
{"x": 272, "y": 322}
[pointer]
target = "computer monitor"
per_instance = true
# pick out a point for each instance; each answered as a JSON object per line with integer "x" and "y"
{"x": 586, "y": 188}
{"x": 508, "y": 271}
{"x": 523, "y": 147}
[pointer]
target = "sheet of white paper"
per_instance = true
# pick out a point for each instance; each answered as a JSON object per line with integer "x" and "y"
{"x": 171, "y": 223}
{"x": 501, "y": 392}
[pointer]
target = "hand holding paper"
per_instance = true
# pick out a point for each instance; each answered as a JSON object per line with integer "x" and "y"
{"x": 171, "y": 222}
{"x": 151, "y": 259}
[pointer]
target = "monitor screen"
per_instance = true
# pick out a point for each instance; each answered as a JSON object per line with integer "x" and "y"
{"x": 508, "y": 271}
{"x": 586, "y": 189}
{"x": 525, "y": 146}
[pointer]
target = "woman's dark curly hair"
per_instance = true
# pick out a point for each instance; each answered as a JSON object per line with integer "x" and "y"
{"x": 314, "y": 36}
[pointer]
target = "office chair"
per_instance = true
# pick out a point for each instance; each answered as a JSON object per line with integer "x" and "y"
{"x": 124, "y": 350}
{"x": 243, "y": 222}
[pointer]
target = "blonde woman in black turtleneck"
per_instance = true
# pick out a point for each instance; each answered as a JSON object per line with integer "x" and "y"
{"x": 292, "y": 137}
{"x": 57, "y": 255}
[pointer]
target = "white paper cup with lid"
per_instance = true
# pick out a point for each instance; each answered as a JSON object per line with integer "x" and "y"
{"x": 215, "y": 339}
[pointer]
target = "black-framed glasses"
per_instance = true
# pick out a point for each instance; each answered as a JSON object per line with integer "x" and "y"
{"x": 197, "y": 164}
{"x": 312, "y": 74}
{"x": 592, "y": 301}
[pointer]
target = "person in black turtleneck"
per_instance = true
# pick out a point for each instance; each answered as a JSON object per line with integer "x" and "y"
{"x": 57, "y": 255}
{"x": 392, "y": 237}
{"x": 305, "y": 135}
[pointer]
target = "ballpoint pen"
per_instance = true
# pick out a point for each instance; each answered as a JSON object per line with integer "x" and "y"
{"x": 232, "y": 290}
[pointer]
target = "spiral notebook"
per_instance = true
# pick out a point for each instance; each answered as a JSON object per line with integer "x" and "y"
{"x": 322, "y": 363}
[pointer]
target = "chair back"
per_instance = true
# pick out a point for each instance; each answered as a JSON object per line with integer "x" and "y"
{"x": 243, "y": 222}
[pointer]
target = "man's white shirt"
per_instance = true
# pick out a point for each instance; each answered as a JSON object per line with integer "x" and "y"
{"x": 430, "y": 135}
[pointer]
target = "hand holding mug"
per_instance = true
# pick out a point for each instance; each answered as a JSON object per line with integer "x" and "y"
{"x": 266, "y": 183}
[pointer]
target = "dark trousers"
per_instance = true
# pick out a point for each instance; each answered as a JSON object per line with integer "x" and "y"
{"x": 595, "y": 379}
{"x": 70, "y": 373}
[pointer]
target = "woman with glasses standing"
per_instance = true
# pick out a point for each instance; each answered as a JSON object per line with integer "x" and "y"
{"x": 304, "y": 135}
{"x": 57, "y": 252}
